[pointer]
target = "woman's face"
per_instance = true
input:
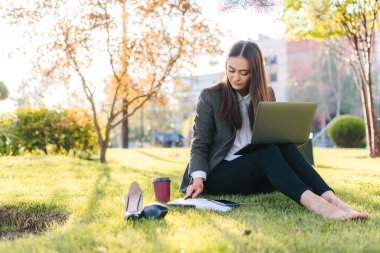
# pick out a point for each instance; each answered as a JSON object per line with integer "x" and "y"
{"x": 238, "y": 73}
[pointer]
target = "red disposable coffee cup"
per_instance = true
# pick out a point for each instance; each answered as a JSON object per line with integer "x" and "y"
{"x": 162, "y": 189}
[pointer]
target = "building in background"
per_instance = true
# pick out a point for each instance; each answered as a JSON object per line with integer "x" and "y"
{"x": 288, "y": 63}
{"x": 275, "y": 53}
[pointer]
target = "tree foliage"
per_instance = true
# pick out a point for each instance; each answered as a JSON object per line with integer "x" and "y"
{"x": 121, "y": 50}
{"x": 325, "y": 86}
{"x": 350, "y": 27}
{"x": 3, "y": 91}
{"x": 259, "y": 5}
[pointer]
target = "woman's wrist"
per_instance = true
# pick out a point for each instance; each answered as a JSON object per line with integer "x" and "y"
{"x": 199, "y": 179}
{"x": 198, "y": 173}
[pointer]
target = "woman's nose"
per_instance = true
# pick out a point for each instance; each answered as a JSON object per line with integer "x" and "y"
{"x": 236, "y": 77}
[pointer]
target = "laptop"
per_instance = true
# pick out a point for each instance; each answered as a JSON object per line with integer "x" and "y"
{"x": 281, "y": 123}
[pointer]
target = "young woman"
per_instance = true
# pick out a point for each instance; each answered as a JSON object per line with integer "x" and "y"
{"x": 223, "y": 125}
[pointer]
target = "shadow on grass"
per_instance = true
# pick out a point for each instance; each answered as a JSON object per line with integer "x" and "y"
{"x": 97, "y": 194}
{"x": 327, "y": 167}
{"x": 249, "y": 231}
{"x": 157, "y": 157}
{"x": 151, "y": 229}
{"x": 247, "y": 239}
{"x": 149, "y": 173}
{"x": 24, "y": 218}
{"x": 361, "y": 157}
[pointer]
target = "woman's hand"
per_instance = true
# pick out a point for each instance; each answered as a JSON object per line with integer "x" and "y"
{"x": 196, "y": 188}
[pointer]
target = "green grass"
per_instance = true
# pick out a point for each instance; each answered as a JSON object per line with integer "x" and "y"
{"x": 93, "y": 196}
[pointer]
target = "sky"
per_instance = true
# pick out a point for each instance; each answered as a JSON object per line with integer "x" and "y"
{"x": 239, "y": 25}
{"x": 236, "y": 24}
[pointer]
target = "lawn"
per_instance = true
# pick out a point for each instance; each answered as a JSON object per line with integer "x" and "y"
{"x": 91, "y": 199}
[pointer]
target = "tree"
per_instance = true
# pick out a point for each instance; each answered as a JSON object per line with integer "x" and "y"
{"x": 333, "y": 77}
{"x": 136, "y": 45}
{"x": 350, "y": 27}
{"x": 325, "y": 86}
{"x": 3, "y": 91}
{"x": 29, "y": 93}
{"x": 260, "y": 5}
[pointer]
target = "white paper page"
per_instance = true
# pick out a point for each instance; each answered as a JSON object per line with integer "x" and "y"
{"x": 200, "y": 204}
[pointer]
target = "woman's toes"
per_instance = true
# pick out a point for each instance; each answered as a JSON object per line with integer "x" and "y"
{"x": 354, "y": 215}
{"x": 363, "y": 214}
{"x": 347, "y": 216}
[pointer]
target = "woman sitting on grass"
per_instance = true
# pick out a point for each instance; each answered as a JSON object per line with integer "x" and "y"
{"x": 223, "y": 125}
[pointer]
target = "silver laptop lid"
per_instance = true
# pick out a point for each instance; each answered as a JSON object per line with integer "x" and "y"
{"x": 283, "y": 122}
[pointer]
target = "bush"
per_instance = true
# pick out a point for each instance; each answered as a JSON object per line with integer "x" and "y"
{"x": 347, "y": 131}
{"x": 77, "y": 133}
{"x": 49, "y": 131}
{"x": 8, "y": 144}
{"x": 3, "y": 91}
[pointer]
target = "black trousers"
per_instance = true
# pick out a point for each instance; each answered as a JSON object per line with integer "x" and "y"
{"x": 273, "y": 167}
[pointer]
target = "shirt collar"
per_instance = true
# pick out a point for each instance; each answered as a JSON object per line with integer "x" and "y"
{"x": 246, "y": 99}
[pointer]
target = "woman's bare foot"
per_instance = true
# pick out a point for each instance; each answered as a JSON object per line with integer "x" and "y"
{"x": 333, "y": 199}
{"x": 319, "y": 205}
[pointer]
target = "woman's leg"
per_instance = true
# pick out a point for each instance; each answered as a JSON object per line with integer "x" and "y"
{"x": 239, "y": 176}
{"x": 244, "y": 174}
{"x": 311, "y": 178}
{"x": 303, "y": 169}
{"x": 247, "y": 174}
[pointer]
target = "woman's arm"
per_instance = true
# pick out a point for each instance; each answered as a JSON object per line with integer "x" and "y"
{"x": 202, "y": 140}
{"x": 204, "y": 125}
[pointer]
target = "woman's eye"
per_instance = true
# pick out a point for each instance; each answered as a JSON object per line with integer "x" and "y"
{"x": 231, "y": 71}
{"x": 244, "y": 73}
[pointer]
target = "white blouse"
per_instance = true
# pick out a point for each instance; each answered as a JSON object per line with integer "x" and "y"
{"x": 244, "y": 134}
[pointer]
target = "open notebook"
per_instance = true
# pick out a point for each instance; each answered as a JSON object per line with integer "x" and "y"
{"x": 201, "y": 204}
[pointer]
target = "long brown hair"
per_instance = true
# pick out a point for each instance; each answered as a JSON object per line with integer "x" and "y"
{"x": 258, "y": 84}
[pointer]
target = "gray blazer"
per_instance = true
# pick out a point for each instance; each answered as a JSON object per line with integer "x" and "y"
{"x": 212, "y": 138}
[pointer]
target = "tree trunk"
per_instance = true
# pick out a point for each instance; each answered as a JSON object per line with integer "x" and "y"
{"x": 104, "y": 145}
{"x": 374, "y": 149}
{"x": 338, "y": 93}
{"x": 124, "y": 134}
{"x": 366, "y": 116}
{"x": 125, "y": 129}
{"x": 124, "y": 126}
{"x": 142, "y": 126}
{"x": 103, "y": 151}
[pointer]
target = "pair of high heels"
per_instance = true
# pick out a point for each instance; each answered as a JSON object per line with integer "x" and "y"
{"x": 134, "y": 203}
